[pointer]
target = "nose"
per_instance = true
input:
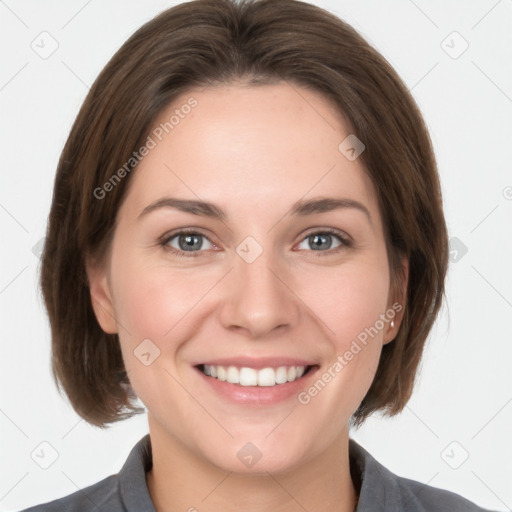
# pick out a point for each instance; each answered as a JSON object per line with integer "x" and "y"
{"x": 259, "y": 298}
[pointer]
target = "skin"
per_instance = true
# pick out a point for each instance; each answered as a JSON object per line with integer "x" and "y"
{"x": 253, "y": 151}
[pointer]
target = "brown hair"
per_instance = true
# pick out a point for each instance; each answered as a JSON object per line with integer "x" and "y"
{"x": 208, "y": 42}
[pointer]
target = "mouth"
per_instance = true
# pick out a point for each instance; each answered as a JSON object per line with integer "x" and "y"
{"x": 249, "y": 381}
{"x": 260, "y": 377}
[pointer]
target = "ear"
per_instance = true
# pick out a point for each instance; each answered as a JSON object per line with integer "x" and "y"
{"x": 397, "y": 301}
{"x": 101, "y": 296}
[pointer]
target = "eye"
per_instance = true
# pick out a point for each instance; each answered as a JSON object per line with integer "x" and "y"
{"x": 325, "y": 241}
{"x": 193, "y": 243}
{"x": 187, "y": 242}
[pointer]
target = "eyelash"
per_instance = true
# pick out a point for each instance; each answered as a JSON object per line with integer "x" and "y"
{"x": 346, "y": 242}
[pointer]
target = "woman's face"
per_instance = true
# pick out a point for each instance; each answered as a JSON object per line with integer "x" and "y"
{"x": 276, "y": 281}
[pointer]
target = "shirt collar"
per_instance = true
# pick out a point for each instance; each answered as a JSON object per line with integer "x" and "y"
{"x": 133, "y": 488}
{"x": 377, "y": 487}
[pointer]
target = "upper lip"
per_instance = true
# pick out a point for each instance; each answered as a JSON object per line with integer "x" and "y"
{"x": 257, "y": 363}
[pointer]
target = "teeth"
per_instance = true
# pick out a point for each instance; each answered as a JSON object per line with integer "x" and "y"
{"x": 248, "y": 377}
{"x": 252, "y": 377}
{"x": 281, "y": 375}
{"x": 266, "y": 377}
{"x": 233, "y": 375}
{"x": 221, "y": 372}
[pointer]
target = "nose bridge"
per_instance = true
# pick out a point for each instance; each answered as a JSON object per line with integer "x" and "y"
{"x": 257, "y": 298}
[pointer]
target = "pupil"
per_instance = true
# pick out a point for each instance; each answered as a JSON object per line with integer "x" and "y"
{"x": 190, "y": 242}
{"x": 317, "y": 241}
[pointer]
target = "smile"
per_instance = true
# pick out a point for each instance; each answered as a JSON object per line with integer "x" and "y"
{"x": 264, "y": 377}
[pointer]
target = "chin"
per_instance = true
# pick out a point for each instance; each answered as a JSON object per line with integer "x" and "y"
{"x": 257, "y": 457}
{"x": 256, "y": 463}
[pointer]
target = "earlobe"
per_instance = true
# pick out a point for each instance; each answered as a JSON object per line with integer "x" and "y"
{"x": 101, "y": 297}
{"x": 397, "y": 303}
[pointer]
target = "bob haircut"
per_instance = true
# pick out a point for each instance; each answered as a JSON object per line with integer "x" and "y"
{"x": 252, "y": 42}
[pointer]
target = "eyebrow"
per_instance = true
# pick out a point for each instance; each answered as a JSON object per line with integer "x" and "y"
{"x": 300, "y": 208}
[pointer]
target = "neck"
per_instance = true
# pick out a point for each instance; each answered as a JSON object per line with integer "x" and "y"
{"x": 180, "y": 480}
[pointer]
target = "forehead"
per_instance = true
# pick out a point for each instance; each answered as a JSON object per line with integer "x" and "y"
{"x": 242, "y": 146}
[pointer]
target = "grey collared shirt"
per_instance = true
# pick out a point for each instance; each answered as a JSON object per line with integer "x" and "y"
{"x": 379, "y": 489}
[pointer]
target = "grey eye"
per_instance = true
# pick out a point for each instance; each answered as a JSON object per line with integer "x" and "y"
{"x": 321, "y": 241}
{"x": 190, "y": 242}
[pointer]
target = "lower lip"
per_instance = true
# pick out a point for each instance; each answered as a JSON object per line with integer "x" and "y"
{"x": 258, "y": 395}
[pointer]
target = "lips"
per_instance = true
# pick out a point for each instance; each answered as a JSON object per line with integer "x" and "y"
{"x": 256, "y": 362}
{"x": 261, "y": 395}
{"x": 256, "y": 381}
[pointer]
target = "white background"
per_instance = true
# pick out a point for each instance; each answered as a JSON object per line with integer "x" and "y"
{"x": 464, "y": 393}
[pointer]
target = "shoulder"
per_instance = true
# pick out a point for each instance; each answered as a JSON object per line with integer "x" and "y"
{"x": 419, "y": 497}
{"x": 102, "y": 495}
{"x": 126, "y": 490}
{"x": 381, "y": 490}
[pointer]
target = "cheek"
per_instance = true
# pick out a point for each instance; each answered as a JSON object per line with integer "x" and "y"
{"x": 150, "y": 300}
{"x": 347, "y": 299}
{"x": 153, "y": 306}
{"x": 161, "y": 304}
{"x": 350, "y": 303}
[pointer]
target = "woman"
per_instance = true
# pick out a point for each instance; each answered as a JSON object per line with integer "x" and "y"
{"x": 246, "y": 234}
